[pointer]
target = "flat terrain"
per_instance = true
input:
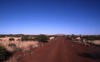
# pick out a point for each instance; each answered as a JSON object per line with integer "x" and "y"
{"x": 61, "y": 50}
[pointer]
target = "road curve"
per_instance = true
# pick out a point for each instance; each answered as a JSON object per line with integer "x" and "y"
{"x": 60, "y": 50}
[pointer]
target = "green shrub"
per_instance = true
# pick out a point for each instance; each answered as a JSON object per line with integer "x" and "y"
{"x": 11, "y": 39}
{"x": 42, "y": 38}
{"x": 11, "y": 45}
{"x": 27, "y": 38}
{"x": 4, "y": 54}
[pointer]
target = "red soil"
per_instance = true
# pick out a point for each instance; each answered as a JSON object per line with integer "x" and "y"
{"x": 59, "y": 50}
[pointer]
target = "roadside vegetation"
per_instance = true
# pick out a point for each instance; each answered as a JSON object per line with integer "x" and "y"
{"x": 4, "y": 54}
{"x": 23, "y": 43}
{"x": 42, "y": 38}
{"x": 11, "y": 39}
{"x": 27, "y": 38}
{"x": 13, "y": 45}
{"x": 92, "y": 37}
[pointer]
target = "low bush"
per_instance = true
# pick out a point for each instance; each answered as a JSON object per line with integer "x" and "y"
{"x": 42, "y": 38}
{"x": 11, "y": 45}
{"x": 4, "y": 54}
{"x": 11, "y": 39}
{"x": 27, "y": 38}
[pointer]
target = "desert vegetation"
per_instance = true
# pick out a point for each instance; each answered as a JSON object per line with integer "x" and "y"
{"x": 27, "y": 38}
{"x": 26, "y": 42}
{"x": 10, "y": 44}
{"x": 87, "y": 40}
{"x": 13, "y": 45}
{"x": 11, "y": 39}
{"x": 42, "y": 38}
{"x": 4, "y": 54}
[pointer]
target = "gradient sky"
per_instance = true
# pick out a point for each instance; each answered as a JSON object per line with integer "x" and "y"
{"x": 49, "y": 16}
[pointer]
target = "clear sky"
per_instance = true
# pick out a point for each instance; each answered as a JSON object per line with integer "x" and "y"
{"x": 49, "y": 16}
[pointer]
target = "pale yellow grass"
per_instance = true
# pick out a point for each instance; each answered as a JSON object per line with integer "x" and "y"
{"x": 23, "y": 45}
{"x": 97, "y": 42}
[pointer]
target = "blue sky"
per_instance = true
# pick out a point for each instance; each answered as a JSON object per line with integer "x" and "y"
{"x": 49, "y": 16}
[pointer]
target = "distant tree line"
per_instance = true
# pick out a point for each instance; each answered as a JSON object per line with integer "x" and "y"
{"x": 87, "y": 37}
{"x": 1, "y": 36}
{"x": 40, "y": 38}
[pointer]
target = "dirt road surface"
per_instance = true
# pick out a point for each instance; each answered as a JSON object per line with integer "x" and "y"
{"x": 61, "y": 50}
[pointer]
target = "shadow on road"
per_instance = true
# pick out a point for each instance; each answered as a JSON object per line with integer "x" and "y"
{"x": 94, "y": 55}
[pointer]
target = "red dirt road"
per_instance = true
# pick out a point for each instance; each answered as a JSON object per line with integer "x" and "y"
{"x": 60, "y": 50}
